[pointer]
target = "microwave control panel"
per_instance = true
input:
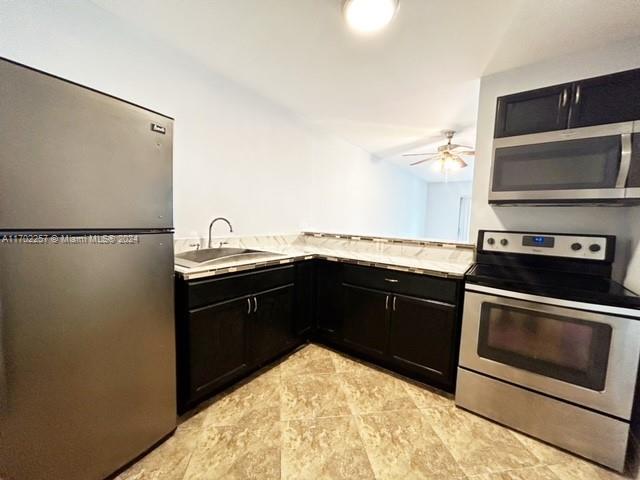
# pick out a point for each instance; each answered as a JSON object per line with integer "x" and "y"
{"x": 553, "y": 245}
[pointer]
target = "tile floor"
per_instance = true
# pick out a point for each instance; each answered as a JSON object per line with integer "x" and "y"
{"x": 322, "y": 415}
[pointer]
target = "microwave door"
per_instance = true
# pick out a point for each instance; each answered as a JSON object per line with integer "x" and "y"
{"x": 583, "y": 164}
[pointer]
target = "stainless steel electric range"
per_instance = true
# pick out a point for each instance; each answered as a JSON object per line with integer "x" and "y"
{"x": 550, "y": 344}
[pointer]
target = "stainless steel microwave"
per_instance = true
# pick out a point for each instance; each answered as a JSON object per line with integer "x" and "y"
{"x": 590, "y": 165}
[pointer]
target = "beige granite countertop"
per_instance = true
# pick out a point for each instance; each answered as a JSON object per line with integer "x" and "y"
{"x": 423, "y": 257}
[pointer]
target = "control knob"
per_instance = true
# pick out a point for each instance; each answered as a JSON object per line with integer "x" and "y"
{"x": 594, "y": 247}
{"x": 576, "y": 246}
{"x": 491, "y": 241}
{"x": 504, "y": 242}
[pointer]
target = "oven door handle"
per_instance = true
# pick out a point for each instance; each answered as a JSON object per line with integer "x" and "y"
{"x": 556, "y": 302}
{"x": 625, "y": 160}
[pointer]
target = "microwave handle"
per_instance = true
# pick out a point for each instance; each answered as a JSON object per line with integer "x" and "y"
{"x": 625, "y": 160}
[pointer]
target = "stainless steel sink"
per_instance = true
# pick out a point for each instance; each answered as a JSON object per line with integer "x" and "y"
{"x": 206, "y": 256}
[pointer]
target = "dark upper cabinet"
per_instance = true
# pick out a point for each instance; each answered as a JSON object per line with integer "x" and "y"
{"x": 329, "y": 299}
{"x": 423, "y": 336}
{"x": 608, "y": 99}
{"x": 215, "y": 346}
{"x": 271, "y": 324}
{"x": 535, "y": 111}
{"x": 305, "y": 298}
{"x": 595, "y": 101}
{"x": 365, "y": 321}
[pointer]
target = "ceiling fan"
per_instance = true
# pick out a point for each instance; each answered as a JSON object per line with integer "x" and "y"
{"x": 448, "y": 158}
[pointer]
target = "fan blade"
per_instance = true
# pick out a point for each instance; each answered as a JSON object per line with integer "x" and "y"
{"x": 469, "y": 153}
{"x": 455, "y": 145}
{"x": 415, "y": 154}
{"x": 423, "y": 161}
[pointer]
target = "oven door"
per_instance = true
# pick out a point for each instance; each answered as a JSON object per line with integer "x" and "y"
{"x": 569, "y": 166}
{"x": 553, "y": 346}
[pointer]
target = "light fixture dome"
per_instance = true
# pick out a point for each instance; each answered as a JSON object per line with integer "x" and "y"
{"x": 367, "y": 16}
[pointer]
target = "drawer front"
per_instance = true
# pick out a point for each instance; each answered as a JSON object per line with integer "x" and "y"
{"x": 272, "y": 278}
{"x": 404, "y": 283}
{"x": 213, "y": 290}
{"x": 206, "y": 292}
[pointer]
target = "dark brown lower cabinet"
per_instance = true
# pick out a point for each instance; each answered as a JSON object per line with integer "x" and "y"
{"x": 329, "y": 300}
{"x": 422, "y": 336}
{"x": 365, "y": 323}
{"x": 305, "y": 299}
{"x": 231, "y": 325}
{"x": 271, "y": 324}
{"x": 404, "y": 321}
{"x": 215, "y": 344}
{"x": 228, "y": 326}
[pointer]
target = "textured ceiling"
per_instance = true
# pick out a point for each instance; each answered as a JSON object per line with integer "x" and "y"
{"x": 391, "y": 92}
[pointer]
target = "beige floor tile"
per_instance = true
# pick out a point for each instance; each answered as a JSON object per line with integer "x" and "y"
{"x": 271, "y": 373}
{"x": 252, "y": 403}
{"x": 344, "y": 363}
{"x": 310, "y": 359}
{"x": 324, "y": 448}
{"x": 402, "y": 445}
{"x": 479, "y": 446}
{"x": 530, "y": 473}
{"x": 428, "y": 397}
{"x": 170, "y": 459}
{"x": 320, "y": 414}
{"x": 373, "y": 391}
{"x": 311, "y": 396}
{"x": 237, "y": 452}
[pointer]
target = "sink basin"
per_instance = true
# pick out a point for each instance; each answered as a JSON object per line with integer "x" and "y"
{"x": 206, "y": 256}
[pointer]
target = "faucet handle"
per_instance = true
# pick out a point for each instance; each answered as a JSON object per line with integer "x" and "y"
{"x": 197, "y": 245}
{"x": 223, "y": 243}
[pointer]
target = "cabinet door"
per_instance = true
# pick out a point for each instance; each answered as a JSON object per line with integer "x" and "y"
{"x": 305, "y": 289}
{"x": 540, "y": 110}
{"x": 329, "y": 299}
{"x": 365, "y": 325}
{"x": 422, "y": 336}
{"x": 216, "y": 345}
{"x": 608, "y": 99}
{"x": 271, "y": 331}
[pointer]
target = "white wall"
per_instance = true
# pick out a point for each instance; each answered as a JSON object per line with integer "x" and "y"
{"x": 353, "y": 192}
{"x": 236, "y": 154}
{"x": 443, "y": 209}
{"x": 606, "y": 220}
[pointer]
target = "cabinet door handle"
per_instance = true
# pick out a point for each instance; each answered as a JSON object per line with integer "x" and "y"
{"x": 255, "y": 304}
{"x": 249, "y": 305}
{"x": 391, "y": 280}
{"x": 565, "y": 95}
{"x": 578, "y": 94}
{"x": 386, "y": 303}
{"x": 394, "y": 303}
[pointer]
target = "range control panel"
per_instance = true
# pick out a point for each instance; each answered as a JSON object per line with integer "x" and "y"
{"x": 553, "y": 245}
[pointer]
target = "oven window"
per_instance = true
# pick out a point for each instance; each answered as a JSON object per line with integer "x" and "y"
{"x": 590, "y": 163}
{"x": 567, "y": 349}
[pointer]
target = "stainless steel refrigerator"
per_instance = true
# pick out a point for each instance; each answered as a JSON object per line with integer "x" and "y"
{"x": 87, "y": 350}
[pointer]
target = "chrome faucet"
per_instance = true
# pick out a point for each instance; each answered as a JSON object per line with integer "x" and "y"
{"x": 211, "y": 226}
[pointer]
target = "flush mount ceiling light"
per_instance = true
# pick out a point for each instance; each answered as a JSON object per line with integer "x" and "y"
{"x": 367, "y": 16}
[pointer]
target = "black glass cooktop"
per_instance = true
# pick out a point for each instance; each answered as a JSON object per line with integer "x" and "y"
{"x": 558, "y": 284}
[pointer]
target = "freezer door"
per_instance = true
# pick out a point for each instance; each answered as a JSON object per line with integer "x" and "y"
{"x": 87, "y": 357}
{"x": 74, "y": 158}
